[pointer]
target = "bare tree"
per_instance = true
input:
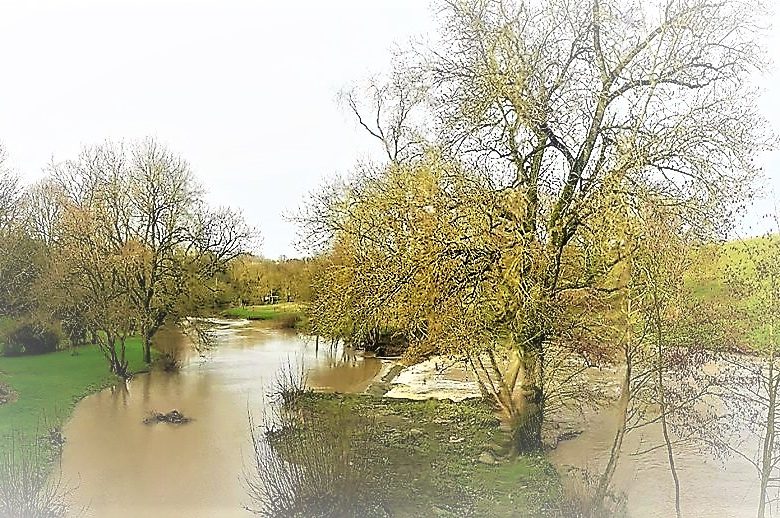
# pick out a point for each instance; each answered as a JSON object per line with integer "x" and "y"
{"x": 10, "y": 193}
{"x": 43, "y": 204}
{"x": 391, "y": 110}
{"x": 152, "y": 204}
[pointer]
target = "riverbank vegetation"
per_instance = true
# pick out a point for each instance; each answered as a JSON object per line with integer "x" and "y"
{"x": 112, "y": 244}
{"x": 495, "y": 232}
{"x": 27, "y": 488}
{"x": 414, "y": 458}
{"x": 558, "y": 184}
{"x": 285, "y": 315}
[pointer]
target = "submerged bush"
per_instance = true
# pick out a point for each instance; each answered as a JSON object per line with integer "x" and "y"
{"x": 168, "y": 362}
{"x": 290, "y": 384}
{"x": 307, "y": 466}
{"x": 314, "y": 470}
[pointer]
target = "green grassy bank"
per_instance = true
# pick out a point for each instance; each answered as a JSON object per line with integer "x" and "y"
{"x": 426, "y": 458}
{"x": 48, "y": 386}
{"x": 265, "y": 312}
{"x": 286, "y": 315}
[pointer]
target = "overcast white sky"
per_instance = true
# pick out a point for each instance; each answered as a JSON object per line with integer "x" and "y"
{"x": 245, "y": 90}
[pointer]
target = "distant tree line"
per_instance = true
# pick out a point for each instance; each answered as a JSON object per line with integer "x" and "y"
{"x": 251, "y": 280}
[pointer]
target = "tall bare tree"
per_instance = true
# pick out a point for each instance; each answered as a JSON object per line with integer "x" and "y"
{"x": 10, "y": 193}
{"x": 391, "y": 110}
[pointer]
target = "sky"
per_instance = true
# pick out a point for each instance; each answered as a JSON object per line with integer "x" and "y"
{"x": 244, "y": 90}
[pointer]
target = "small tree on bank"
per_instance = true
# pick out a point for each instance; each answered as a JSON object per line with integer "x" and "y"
{"x": 89, "y": 268}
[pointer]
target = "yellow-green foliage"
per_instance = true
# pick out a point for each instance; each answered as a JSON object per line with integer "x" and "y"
{"x": 725, "y": 276}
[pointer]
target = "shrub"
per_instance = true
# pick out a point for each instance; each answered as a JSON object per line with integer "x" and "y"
{"x": 307, "y": 466}
{"x": 10, "y": 349}
{"x": 26, "y": 488}
{"x": 31, "y": 338}
{"x": 168, "y": 362}
{"x": 314, "y": 470}
{"x": 287, "y": 320}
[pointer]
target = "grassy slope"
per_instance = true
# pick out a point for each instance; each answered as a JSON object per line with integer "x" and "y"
{"x": 49, "y": 385}
{"x": 708, "y": 281}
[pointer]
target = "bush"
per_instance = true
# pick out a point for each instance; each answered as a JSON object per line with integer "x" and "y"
{"x": 312, "y": 470}
{"x": 27, "y": 490}
{"x": 10, "y": 349}
{"x": 307, "y": 466}
{"x": 31, "y": 338}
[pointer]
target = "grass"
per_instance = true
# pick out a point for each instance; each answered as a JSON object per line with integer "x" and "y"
{"x": 48, "y": 386}
{"x": 425, "y": 455}
{"x": 265, "y": 312}
{"x": 716, "y": 269}
{"x": 286, "y": 314}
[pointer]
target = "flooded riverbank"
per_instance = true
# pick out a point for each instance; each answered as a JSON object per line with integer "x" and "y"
{"x": 120, "y": 466}
{"x": 711, "y": 487}
{"x": 123, "y": 467}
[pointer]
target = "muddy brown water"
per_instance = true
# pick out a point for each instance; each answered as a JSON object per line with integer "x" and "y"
{"x": 121, "y": 467}
{"x": 710, "y": 487}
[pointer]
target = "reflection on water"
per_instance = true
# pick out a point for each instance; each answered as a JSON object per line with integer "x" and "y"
{"x": 123, "y": 467}
{"x": 710, "y": 488}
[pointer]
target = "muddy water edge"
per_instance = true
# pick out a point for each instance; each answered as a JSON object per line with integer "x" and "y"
{"x": 711, "y": 487}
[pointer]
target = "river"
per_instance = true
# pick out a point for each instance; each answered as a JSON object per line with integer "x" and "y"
{"x": 121, "y": 467}
{"x": 711, "y": 487}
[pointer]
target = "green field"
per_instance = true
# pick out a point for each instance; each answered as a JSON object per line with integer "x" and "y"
{"x": 266, "y": 312}
{"x": 49, "y": 385}
{"x": 288, "y": 315}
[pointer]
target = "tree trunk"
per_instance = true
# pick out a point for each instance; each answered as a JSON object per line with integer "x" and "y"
{"x": 147, "y": 346}
{"x": 517, "y": 391}
{"x": 529, "y": 415}
{"x": 527, "y": 423}
{"x": 769, "y": 442}
{"x": 617, "y": 443}
{"x": 117, "y": 363}
{"x": 663, "y": 408}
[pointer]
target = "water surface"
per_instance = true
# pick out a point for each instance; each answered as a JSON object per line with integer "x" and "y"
{"x": 124, "y": 468}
